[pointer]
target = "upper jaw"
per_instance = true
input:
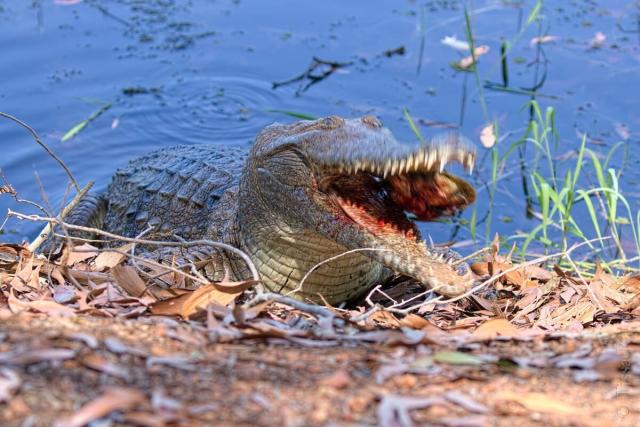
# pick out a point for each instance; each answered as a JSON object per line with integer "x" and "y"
{"x": 389, "y": 158}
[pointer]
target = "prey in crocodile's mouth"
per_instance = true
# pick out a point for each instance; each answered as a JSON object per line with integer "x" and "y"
{"x": 385, "y": 198}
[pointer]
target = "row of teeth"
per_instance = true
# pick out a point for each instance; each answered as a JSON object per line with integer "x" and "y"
{"x": 449, "y": 257}
{"x": 443, "y": 258}
{"x": 425, "y": 160}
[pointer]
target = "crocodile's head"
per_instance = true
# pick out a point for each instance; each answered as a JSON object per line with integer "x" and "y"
{"x": 351, "y": 182}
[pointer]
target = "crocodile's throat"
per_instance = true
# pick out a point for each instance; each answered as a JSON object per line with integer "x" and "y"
{"x": 284, "y": 259}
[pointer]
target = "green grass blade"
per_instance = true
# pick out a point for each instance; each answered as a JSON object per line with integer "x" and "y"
{"x": 534, "y": 12}
{"x": 412, "y": 125}
{"x": 584, "y": 196}
{"x": 80, "y": 126}
{"x": 74, "y": 131}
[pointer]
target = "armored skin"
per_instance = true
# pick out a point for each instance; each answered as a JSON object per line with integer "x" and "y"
{"x": 305, "y": 192}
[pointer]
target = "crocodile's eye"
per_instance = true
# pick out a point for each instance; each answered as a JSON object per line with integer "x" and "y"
{"x": 331, "y": 122}
{"x": 372, "y": 122}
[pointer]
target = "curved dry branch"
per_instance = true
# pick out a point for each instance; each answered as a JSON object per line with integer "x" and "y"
{"x": 43, "y": 145}
{"x": 188, "y": 244}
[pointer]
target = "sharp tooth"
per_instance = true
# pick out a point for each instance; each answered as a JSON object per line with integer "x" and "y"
{"x": 410, "y": 163}
{"x": 445, "y": 158}
{"x": 386, "y": 168}
{"x": 425, "y": 157}
{"x": 431, "y": 159}
{"x": 465, "y": 161}
{"x": 394, "y": 168}
{"x": 357, "y": 166}
{"x": 402, "y": 166}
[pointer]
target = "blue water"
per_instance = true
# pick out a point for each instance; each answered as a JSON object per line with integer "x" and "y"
{"x": 202, "y": 71}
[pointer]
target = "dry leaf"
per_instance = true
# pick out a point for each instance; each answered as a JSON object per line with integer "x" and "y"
{"x": 235, "y": 287}
{"x": 175, "y": 361}
{"x": 50, "y": 308}
{"x": 9, "y": 383}
{"x": 543, "y": 40}
{"x": 514, "y": 277}
{"x": 127, "y": 278}
{"x": 631, "y": 281}
{"x": 393, "y": 410}
{"x": 538, "y": 273}
{"x": 468, "y": 61}
{"x": 10, "y": 253}
{"x": 114, "y": 345}
{"x": 110, "y": 259}
{"x": 23, "y": 277}
{"x": 63, "y": 294}
{"x": 383, "y": 319}
{"x": 114, "y": 399}
{"x": 55, "y": 273}
{"x": 487, "y": 136}
{"x": 414, "y": 321}
{"x": 338, "y": 380}
{"x": 101, "y": 364}
{"x": 494, "y": 328}
{"x": 539, "y": 402}
{"x": 633, "y": 304}
{"x": 81, "y": 253}
{"x": 187, "y": 304}
{"x": 466, "y": 402}
{"x": 36, "y": 355}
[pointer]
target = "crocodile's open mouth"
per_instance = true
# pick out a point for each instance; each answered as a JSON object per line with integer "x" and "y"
{"x": 385, "y": 199}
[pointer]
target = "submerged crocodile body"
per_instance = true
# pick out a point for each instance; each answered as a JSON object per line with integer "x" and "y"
{"x": 304, "y": 193}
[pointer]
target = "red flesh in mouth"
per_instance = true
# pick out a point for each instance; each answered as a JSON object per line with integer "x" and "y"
{"x": 380, "y": 206}
{"x": 430, "y": 195}
{"x": 364, "y": 200}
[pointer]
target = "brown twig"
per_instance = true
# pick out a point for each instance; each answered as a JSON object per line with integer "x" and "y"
{"x": 438, "y": 300}
{"x": 315, "y": 309}
{"x": 522, "y": 265}
{"x": 43, "y": 145}
{"x": 333, "y": 258}
{"x": 44, "y": 234}
{"x": 201, "y": 242}
{"x": 470, "y": 256}
{"x": 8, "y": 189}
{"x": 316, "y": 71}
{"x": 149, "y": 262}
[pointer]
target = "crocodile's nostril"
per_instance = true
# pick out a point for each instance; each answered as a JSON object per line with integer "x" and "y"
{"x": 371, "y": 121}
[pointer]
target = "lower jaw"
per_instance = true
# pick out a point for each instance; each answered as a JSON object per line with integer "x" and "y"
{"x": 283, "y": 262}
{"x": 324, "y": 292}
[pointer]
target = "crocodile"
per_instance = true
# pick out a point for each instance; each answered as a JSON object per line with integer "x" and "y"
{"x": 332, "y": 188}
